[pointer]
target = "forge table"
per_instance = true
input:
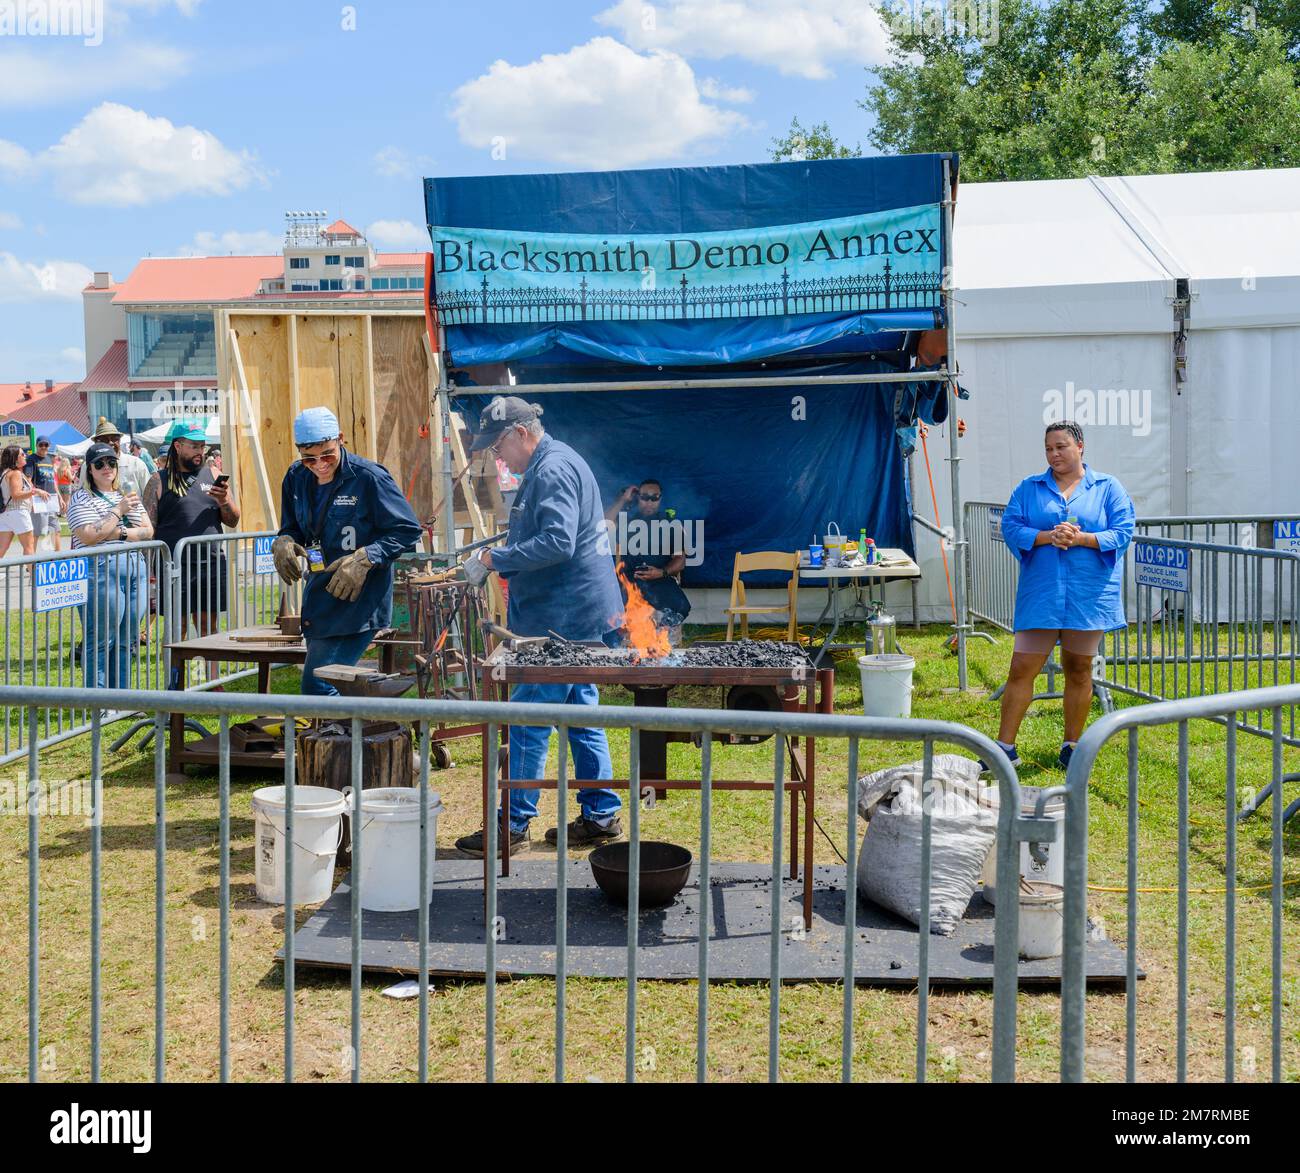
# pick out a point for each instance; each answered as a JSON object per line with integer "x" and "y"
{"x": 246, "y": 649}
{"x": 799, "y": 686}
{"x": 894, "y": 565}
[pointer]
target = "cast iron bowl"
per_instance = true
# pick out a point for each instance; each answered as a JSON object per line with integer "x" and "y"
{"x": 664, "y": 871}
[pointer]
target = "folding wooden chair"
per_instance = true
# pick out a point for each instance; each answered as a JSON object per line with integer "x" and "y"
{"x": 739, "y": 605}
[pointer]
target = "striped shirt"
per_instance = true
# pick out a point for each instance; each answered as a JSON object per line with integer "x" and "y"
{"x": 87, "y": 508}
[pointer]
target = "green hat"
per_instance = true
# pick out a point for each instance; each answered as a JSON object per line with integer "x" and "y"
{"x": 190, "y": 429}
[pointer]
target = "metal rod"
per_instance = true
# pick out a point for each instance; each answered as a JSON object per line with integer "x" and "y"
{"x": 1229, "y": 913}
{"x": 1131, "y": 937}
{"x": 423, "y": 929}
{"x": 774, "y": 960}
{"x": 633, "y": 899}
{"x": 706, "y": 846}
{"x": 96, "y": 892}
{"x": 290, "y": 918}
{"x": 561, "y": 898}
{"x": 758, "y": 378}
{"x": 354, "y": 882}
{"x": 850, "y": 913}
{"x": 160, "y": 899}
{"x": 223, "y": 849}
{"x": 923, "y": 938}
{"x": 490, "y": 902}
{"x": 33, "y": 901}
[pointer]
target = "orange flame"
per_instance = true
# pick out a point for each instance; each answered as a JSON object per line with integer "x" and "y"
{"x": 648, "y": 641}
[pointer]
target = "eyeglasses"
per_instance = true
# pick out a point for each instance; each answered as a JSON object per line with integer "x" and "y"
{"x": 323, "y": 457}
{"x": 649, "y": 496}
{"x": 104, "y": 462}
{"x": 495, "y": 449}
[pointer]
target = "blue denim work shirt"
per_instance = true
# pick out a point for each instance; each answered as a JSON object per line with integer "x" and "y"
{"x": 360, "y": 506}
{"x": 556, "y": 557}
{"x": 1079, "y": 589}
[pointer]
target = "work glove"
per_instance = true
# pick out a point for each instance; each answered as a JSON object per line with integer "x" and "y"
{"x": 349, "y": 575}
{"x": 476, "y": 571}
{"x": 288, "y": 557}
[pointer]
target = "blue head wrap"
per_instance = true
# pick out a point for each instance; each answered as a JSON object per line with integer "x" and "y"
{"x": 315, "y": 426}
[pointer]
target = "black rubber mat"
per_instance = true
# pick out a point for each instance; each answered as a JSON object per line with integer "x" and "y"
{"x": 739, "y": 925}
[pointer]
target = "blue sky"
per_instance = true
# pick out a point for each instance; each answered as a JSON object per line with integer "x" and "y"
{"x": 195, "y": 124}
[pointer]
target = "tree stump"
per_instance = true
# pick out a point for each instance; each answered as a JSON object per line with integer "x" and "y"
{"x": 325, "y": 759}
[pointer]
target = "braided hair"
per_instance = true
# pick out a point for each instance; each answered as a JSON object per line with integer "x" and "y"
{"x": 178, "y": 482}
{"x": 1066, "y": 426}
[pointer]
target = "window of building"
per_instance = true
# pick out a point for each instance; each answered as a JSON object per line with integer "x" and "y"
{"x": 379, "y": 283}
{"x": 354, "y": 262}
{"x": 359, "y": 283}
{"x": 331, "y": 285}
{"x": 331, "y": 258}
{"x": 299, "y": 262}
{"x": 417, "y": 282}
{"x": 399, "y": 283}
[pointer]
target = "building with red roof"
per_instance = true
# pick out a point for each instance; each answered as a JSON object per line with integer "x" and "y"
{"x": 150, "y": 339}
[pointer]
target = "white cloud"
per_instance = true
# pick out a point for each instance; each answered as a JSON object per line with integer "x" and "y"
{"x": 120, "y": 157}
{"x": 73, "y": 355}
{"x": 395, "y": 163}
{"x": 711, "y": 87}
{"x": 27, "y": 281}
{"x": 65, "y": 72}
{"x": 258, "y": 243}
{"x": 598, "y": 105}
{"x": 15, "y": 161}
{"x": 9, "y": 220}
{"x": 803, "y": 38}
{"x": 398, "y": 235}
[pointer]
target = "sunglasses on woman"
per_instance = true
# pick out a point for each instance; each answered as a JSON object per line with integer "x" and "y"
{"x": 104, "y": 462}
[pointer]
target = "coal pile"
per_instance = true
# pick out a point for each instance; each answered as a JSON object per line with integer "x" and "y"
{"x": 741, "y": 653}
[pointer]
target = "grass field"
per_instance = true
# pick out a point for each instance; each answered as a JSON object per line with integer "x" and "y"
{"x": 960, "y": 1028}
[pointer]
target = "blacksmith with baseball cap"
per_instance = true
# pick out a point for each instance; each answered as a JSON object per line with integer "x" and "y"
{"x": 556, "y": 560}
{"x": 346, "y": 518}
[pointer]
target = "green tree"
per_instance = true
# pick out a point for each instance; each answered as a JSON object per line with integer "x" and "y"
{"x": 1075, "y": 87}
{"x": 812, "y": 142}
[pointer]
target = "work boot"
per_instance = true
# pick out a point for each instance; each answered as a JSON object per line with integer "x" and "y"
{"x": 585, "y": 833}
{"x": 520, "y": 841}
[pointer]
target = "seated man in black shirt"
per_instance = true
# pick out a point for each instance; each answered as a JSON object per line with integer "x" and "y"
{"x": 651, "y": 549}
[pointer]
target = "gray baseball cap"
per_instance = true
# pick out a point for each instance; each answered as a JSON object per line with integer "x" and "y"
{"x": 503, "y": 413}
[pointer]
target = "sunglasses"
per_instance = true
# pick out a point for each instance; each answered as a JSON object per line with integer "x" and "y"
{"x": 324, "y": 457}
{"x": 104, "y": 462}
{"x": 649, "y": 496}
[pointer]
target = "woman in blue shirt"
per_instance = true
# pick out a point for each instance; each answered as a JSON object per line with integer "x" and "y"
{"x": 1069, "y": 527}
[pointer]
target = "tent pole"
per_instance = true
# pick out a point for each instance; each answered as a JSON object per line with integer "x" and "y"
{"x": 954, "y": 460}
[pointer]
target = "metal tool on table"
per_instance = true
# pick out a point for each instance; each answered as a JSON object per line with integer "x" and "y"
{"x": 508, "y": 638}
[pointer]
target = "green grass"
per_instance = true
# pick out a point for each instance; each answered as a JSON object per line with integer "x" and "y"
{"x": 960, "y": 1029}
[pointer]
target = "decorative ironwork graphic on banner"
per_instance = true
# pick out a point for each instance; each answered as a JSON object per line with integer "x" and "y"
{"x": 878, "y": 261}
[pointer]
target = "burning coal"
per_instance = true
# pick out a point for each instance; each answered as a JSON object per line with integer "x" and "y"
{"x": 646, "y": 639}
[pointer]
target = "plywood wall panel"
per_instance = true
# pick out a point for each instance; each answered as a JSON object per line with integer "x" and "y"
{"x": 401, "y": 388}
{"x": 263, "y": 341}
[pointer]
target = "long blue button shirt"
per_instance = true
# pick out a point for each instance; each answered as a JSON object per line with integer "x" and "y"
{"x": 1080, "y": 589}
{"x": 366, "y": 508}
{"x": 556, "y": 558}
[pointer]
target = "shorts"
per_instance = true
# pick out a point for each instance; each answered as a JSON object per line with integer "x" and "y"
{"x": 45, "y": 523}
{"x": 203, "y": 589}
{"x": 1041, "y": 640}
{"x": 15, "y": 521}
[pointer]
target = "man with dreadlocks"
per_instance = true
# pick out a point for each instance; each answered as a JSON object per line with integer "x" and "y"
{"x": 184, "y": 499}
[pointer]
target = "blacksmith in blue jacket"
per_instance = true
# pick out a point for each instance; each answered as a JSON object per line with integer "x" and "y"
{"x": 560, "y": 577}
{"x": 346, "y": 517}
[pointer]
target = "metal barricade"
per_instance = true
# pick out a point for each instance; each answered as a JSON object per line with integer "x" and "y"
{"x": 1013, "y": 828}
{"x": 992, "y": 572}
{"x": 1260, "y": 530}
{"x": 1205, "y": 618}
{"x": 82, "y": 617}
{"x": 1230, "y": 710}
{"x": 219, "y": 583}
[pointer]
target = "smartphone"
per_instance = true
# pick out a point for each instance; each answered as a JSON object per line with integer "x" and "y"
{"x": 222, "y": 479}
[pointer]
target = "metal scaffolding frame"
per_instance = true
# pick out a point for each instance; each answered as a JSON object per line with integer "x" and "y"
{"x": 946, "y": 374}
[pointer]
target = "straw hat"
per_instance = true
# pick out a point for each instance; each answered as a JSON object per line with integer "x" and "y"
{"x": 106, "y": 427}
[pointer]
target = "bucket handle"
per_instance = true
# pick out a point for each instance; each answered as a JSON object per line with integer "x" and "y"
{"x": 338, "y": 839}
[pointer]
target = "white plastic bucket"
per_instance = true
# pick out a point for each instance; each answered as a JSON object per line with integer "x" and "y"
{"x": 886, "y": 684}
{"x": 1042, "y": 920}
{"x": 1051, "y": 872}
{"x": 390, "y": 846}
{"x": 317, "y": 829}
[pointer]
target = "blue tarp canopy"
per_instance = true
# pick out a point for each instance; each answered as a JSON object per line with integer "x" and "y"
{"x": 57, "y": 431}
{"x": 762, "y": 465}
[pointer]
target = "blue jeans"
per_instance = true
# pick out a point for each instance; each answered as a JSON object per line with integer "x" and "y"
{"x": 589, "y": 749}
{"x": 331, "y": 649}
{"x": 116, "y": 592}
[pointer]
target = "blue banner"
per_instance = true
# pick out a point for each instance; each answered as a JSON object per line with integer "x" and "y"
{"x": 887, "y": 260}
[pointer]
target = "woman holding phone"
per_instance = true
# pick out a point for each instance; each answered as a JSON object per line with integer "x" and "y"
{"x": 17, "y": 494}
{"x": 1069, "y": 526}
{"x": 101, "y": 515}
